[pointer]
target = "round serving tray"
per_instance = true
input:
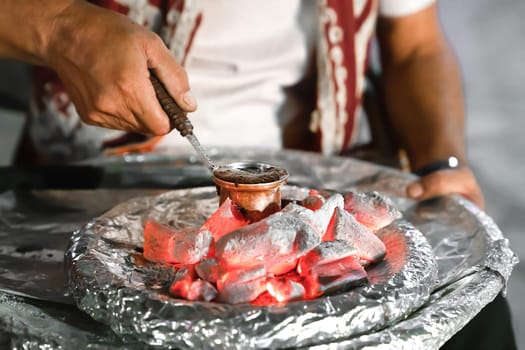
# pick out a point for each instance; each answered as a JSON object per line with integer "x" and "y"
{"x": 111, "y": 282}
{"x": 473, "y": 256}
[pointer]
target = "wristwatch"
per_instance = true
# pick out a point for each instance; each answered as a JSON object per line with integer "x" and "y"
{"x": 442, "y": 164}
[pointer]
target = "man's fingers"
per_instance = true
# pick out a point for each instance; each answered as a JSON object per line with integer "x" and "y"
{"x": 149, "y": 114}
{"x": 110, "y": 121}
{"x": 114, "y": 90}
{"x": 129, "y": 104}
{"x": 172, "y": 75}
{"x": 139, "y": 102}
{"x": 176, "y": 83}
{"x": 453, "y": 181}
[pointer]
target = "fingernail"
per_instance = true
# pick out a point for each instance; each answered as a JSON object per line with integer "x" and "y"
{"x": 415, "y": 190}
{"x": 189, "y": 100}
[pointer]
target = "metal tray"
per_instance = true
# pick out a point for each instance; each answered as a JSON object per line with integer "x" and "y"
{"x": 115, "y": 285}
{"x": 473, "y": 256}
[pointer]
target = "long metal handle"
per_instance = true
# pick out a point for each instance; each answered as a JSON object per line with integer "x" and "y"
{"x": 178, "y": 118}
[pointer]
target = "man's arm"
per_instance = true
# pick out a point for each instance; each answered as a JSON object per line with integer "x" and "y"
{"x": 25, "y": 27}
{"x": 102, "y": 58}
{"x": 425, "y": 101}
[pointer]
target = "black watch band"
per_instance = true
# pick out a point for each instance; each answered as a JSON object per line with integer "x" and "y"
{"x": 442, "y": 164}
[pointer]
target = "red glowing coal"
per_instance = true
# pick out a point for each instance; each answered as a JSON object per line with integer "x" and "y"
{"x": 319, "y": 245}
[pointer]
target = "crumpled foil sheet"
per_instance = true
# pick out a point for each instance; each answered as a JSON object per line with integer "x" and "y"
{"x": 113, "y": 284}
{"x": 473, "y": 256}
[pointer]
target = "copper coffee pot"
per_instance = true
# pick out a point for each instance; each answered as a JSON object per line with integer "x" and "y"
{"x": 255, "y": 187}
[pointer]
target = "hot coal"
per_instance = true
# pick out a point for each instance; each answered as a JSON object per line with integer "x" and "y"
{"x": 364, "y": 244}
{"x": 277, "y": 242}
{"x": 166, "y": 244}
{"x": 284, "y": 290}
{"x": 311, "y": 247}
{"x": 324, "y": 253}
{"x": 313, "y": 201}
{"x": 209, "y": 270}
{"x": 227, "y": 218}
{"x": 201, "y": 290}
{"x": 371, "y": 209}
{"x": 242, "y": 285}
{"x": 182, "y": 282}
{"x": 320, "y": 218}
{"x": 335, "y": 276}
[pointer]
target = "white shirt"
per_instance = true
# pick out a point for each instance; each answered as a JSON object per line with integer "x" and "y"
{"x": 242, "y": 59}
{"x": 244, "y": 56}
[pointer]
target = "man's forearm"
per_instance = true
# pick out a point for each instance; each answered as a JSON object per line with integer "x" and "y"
{"x": 422, "y": 86}
{"x": 425, "y": 101}
{"x": 26, "y": 27}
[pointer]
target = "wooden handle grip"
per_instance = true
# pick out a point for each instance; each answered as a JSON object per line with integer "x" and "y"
{"x": 178, "y": 118}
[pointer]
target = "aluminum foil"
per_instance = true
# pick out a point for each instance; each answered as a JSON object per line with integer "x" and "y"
{"x": 473, "y": 257}
{"x": 113, "y": 284}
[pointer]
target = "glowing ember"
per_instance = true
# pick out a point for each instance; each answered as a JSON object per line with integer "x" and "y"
{"x": 242, "y": 285}
{"x": 275, "y": 242}
{"x": 182, "y": 282}
{"x": 314, "y": 201}
{"x": 209, "y": 270}
{"x": 305, "y": 250}
{"x": 226, "y": 219}
{"x": 334, "y": 276}
{"x": 283, "y": 289}
{"x": 371, "y": 209}
{"x": 165, "y": 244}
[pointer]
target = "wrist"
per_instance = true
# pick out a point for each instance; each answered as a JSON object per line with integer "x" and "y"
{"x": 60, "y": 30}
{"x": 437, "y": 165}
{"x": 29, "y": 42}
{"x": 435, "y": 150}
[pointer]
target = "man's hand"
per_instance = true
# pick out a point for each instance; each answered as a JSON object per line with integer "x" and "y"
{"x": 102, "y": 58}
{"x": 450, "y": 181}
{"x": 424, "y": 99}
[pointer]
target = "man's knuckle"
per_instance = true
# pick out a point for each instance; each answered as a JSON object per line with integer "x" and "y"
{"x": 93, "y": 118}
{"x": 102, "y": 103}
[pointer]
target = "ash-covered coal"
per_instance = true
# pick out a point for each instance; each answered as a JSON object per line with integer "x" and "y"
{"x": 296, "y": 253}
{"x": 250, "y": 175}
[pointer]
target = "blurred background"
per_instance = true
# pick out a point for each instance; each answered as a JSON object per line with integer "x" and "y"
{"x": 488, "y": 38}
